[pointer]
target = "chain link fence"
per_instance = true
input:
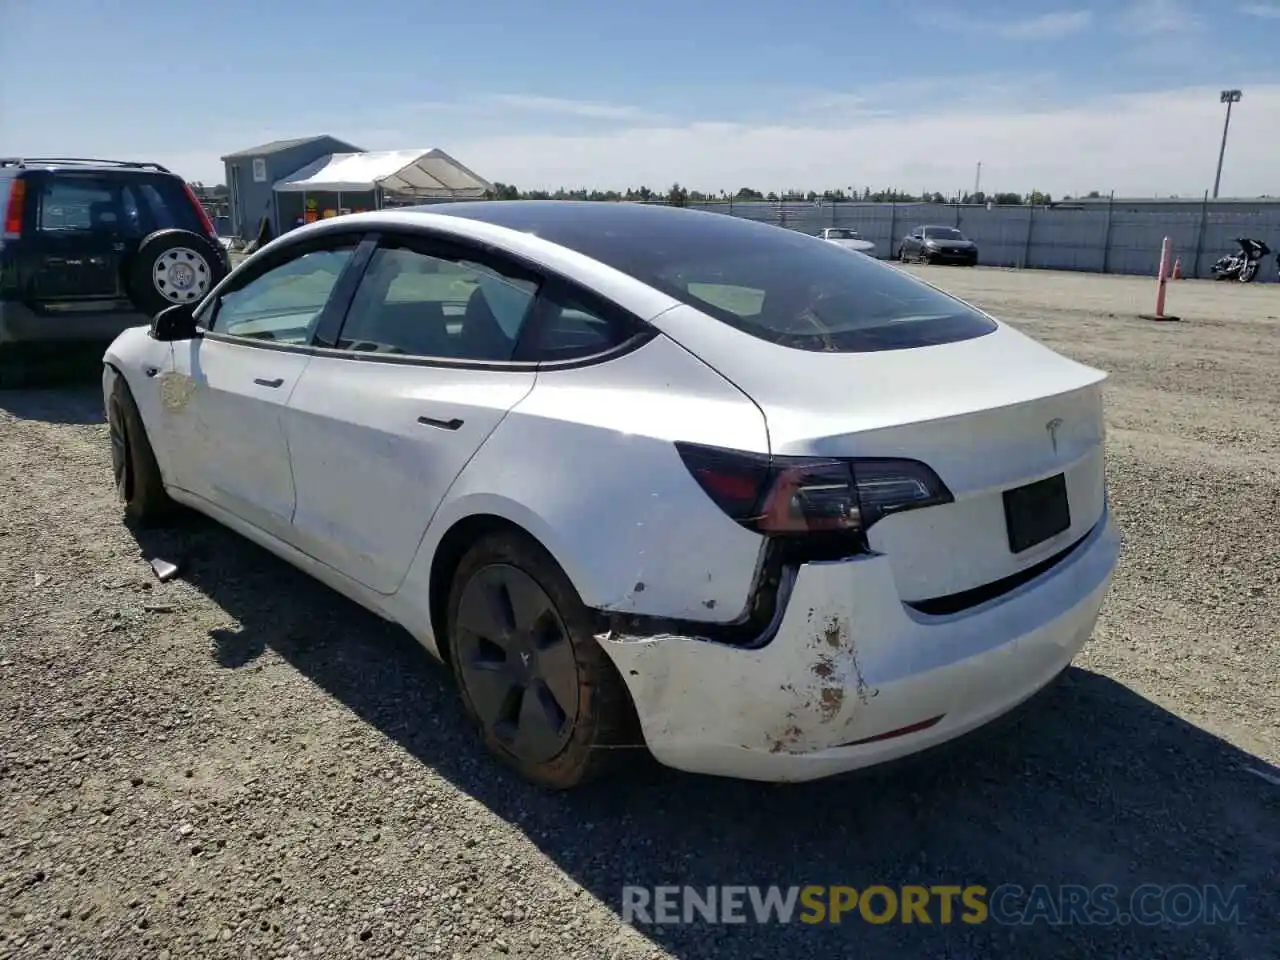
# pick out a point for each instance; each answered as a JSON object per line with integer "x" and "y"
{"x": 1100, "y": 237}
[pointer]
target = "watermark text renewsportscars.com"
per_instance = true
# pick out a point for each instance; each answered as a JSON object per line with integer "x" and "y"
{"x": 939, "y": 904}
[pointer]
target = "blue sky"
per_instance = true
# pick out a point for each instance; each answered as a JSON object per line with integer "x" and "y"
{"x": 1049, "y": 94}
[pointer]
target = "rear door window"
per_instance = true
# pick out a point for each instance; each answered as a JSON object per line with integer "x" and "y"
{"x": 412, "y": 302}
{"x": 78, "y": 204}
{"x": 166, "y": 204}
{"x": 129, "y": 205}
{"x": 573, "y": 325}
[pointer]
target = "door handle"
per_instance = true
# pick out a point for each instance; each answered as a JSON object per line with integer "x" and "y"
{"x": 453, "y": 424}
{"x": 269, "y": 383}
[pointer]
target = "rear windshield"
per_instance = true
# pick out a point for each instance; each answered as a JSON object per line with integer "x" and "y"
{"x": 776, "y": 284}
{"x": 125, "y": 204}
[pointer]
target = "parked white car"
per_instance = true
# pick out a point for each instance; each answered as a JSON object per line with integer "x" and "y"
{"x": 642, "y": 475}
{"x": 849, "y": 239}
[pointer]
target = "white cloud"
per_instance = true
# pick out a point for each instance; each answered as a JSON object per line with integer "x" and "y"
{"x": 1160, "y": 18}
{"x": 1053, "y": 25}
{"x": 1149, "y": 144}
{"x": 1267, "y": 11}
{"x": 1157, "y": 143}
{"x": 1049, "y": 26}
{"x": 587, "y": 109}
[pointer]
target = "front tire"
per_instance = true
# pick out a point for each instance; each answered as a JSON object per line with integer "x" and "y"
{"x": 546, "y": 698}
{"x": 139, "y": 485}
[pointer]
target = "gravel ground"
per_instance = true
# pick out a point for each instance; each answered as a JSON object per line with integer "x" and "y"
{"x": 239, "y": 763}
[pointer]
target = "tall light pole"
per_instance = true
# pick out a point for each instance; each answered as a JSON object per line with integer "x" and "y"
{"x": 1228, "y": 97}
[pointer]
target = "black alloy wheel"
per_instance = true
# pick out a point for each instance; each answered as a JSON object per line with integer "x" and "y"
{"x": 517, "y": 663}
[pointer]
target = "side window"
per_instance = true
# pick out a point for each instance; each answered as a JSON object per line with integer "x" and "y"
{"x": 284, "y": 304}
{"x": 570, "y": 327}
{"x": 409, "y": 302}
{"x": 80, "y": 204}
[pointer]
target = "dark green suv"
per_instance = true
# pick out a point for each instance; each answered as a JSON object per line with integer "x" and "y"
{"x": 90, "y": 248}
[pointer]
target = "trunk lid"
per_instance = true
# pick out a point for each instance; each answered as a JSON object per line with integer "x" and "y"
{"x": 988, "y": 414}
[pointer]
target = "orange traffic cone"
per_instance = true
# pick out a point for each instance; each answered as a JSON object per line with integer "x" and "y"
{"x": 1177, "y": 269}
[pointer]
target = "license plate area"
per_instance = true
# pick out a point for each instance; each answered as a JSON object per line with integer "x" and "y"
{"x": 1036, "y": 512}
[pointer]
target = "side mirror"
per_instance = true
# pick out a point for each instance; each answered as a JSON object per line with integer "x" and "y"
{"x": 174, "y": 323}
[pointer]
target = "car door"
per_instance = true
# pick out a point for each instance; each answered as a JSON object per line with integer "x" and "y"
{"x": 228, "y": 386}
{"x": 911, "y": 245}
{"x": 80, "y": 219}
{"x": 422, "y": 374}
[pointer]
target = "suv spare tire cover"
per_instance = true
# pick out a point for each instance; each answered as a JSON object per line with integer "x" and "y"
{"x": 173, "y": 266}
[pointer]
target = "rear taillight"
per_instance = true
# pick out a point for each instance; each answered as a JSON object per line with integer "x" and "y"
{"x": 201, "y": 212}
{"x": 793, "y": 496}
{"x": 13, "y": 212}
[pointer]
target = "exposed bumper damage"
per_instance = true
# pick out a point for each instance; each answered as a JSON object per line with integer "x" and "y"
{"x": 853, "y": 677}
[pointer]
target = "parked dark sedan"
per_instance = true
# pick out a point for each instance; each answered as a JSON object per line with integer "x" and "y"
{"x": 938, "y": 245}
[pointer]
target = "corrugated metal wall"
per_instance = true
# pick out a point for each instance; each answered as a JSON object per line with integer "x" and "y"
{"x": 1119, "y": 239}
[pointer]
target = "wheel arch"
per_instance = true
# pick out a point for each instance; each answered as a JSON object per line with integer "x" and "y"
{"x": 451, "y": 534}
{"x": 446, "y": 557}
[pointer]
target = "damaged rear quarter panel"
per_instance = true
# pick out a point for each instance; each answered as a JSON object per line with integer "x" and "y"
{"x": 588, "y": 459}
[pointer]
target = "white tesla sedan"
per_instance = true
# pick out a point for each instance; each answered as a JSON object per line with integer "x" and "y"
{"x": 642, "y": 476}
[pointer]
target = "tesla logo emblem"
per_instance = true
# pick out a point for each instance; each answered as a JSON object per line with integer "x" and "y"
{"x": 1052, "y": 426}
{"x": 524, "y": 658}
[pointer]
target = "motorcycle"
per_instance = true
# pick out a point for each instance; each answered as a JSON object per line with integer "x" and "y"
{"x": 1242, "y": 265}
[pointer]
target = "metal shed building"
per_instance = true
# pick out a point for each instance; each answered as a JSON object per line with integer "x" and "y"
{"x": 252, "y": 173}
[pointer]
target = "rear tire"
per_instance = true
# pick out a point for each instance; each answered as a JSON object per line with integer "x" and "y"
{"x": 139, "y": 485}
{"x": 546, "y": 698}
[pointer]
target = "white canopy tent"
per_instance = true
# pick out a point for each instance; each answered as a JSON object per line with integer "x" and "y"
{"x": 427, "y": 174}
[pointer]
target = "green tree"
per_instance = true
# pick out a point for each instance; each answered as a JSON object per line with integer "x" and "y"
{"x": 503, "y": 191}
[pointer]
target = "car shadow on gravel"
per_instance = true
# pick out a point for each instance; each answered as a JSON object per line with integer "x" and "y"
{"x": 1089, "y": 784}
{"x": 77, "y": 401}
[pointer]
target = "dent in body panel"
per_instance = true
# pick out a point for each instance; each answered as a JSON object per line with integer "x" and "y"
{"x": 815, "y": 697}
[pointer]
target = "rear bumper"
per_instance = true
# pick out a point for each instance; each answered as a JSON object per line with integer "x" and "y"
{"x": 22, "y": 326}
{"x": 851, "y": 664}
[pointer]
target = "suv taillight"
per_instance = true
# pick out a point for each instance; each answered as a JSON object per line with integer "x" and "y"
{"x": 201, "y": 212}
{"x": 13, "y": 212}
{"x": 787, "y": 497}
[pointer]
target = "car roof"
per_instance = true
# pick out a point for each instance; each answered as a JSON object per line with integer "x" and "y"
{"x": 79, "y": 163}
{"x": 590, "y": 226}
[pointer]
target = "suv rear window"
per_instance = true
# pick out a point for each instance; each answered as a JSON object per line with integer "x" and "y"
{"x": 128, "y": 204}
{"x": 776, "y": 284}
